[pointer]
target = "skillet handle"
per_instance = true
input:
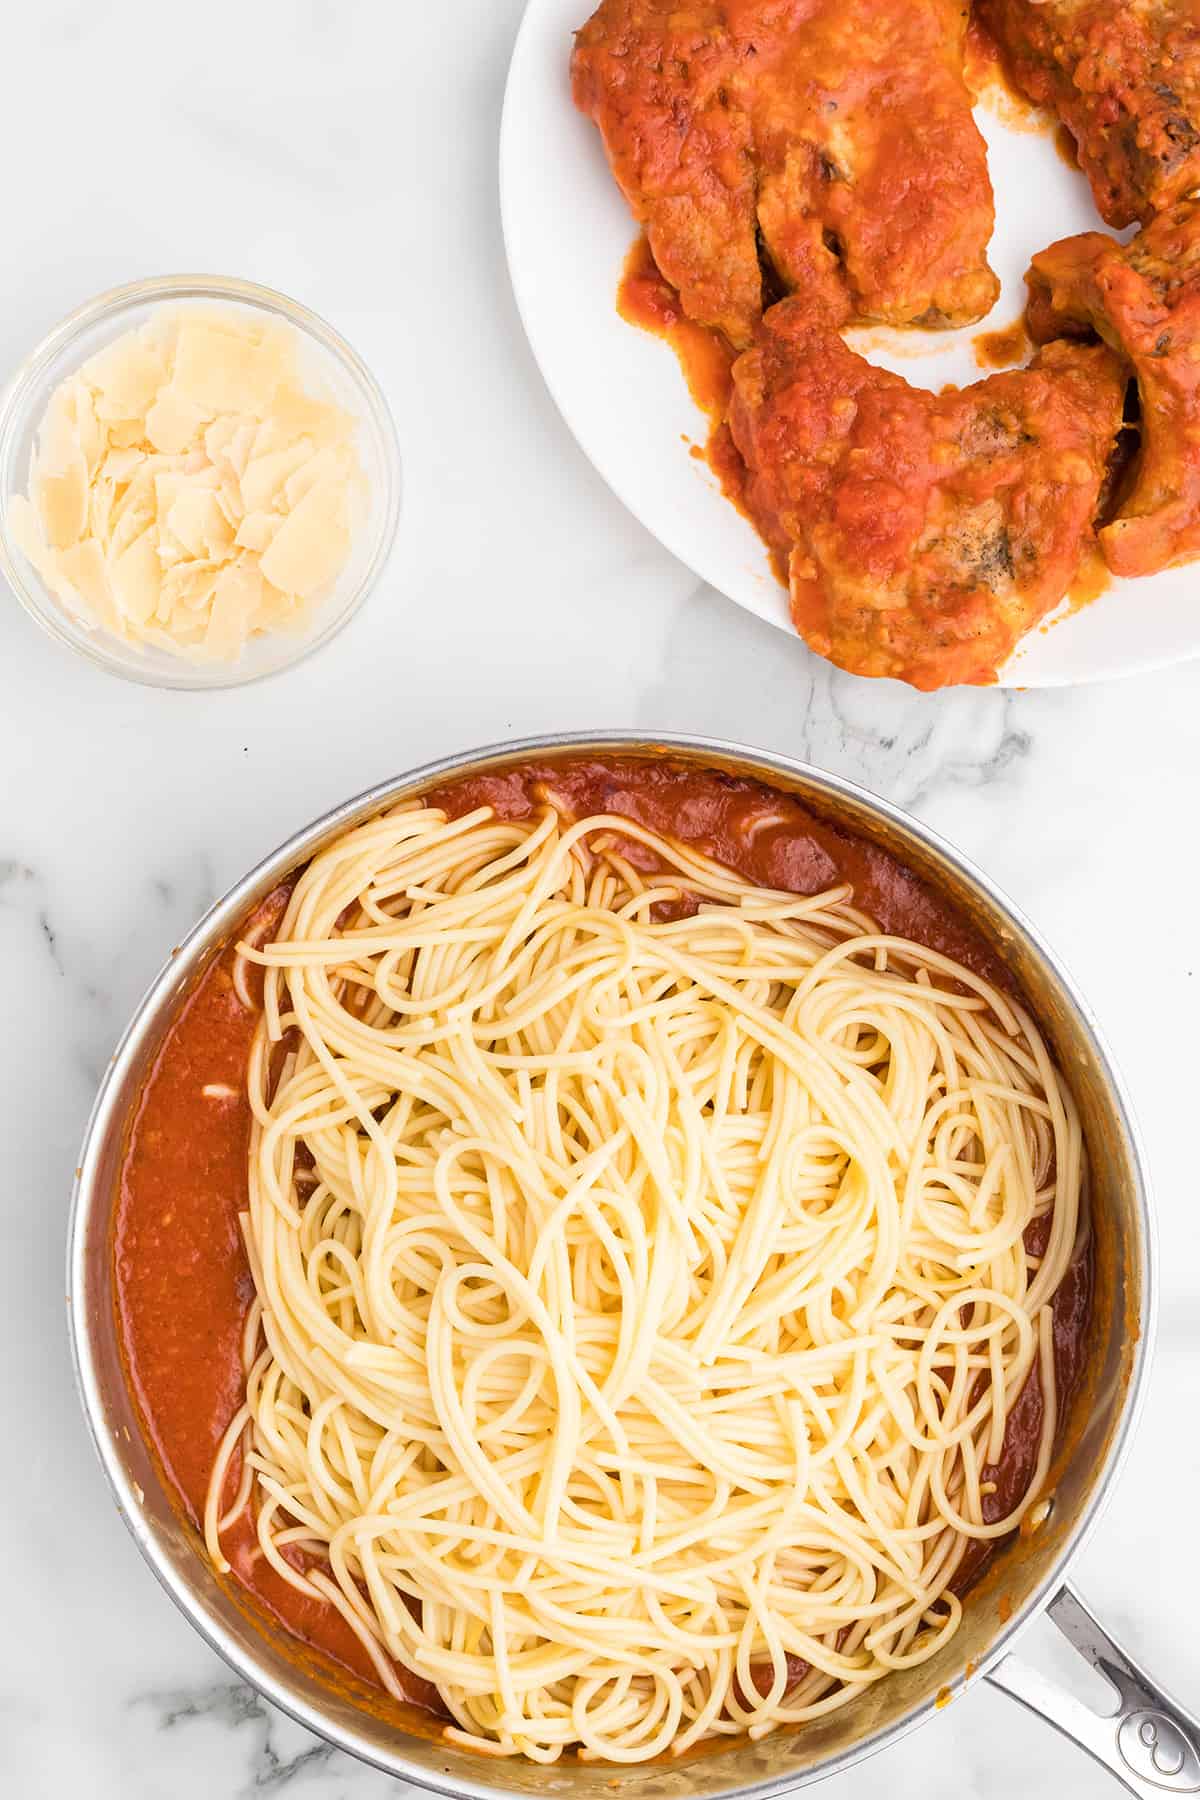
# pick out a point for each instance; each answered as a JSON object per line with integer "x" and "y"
{"x": 1150, "y": 1743}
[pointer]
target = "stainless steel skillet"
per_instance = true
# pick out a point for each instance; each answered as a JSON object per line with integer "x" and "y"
{"x": 1149, "y": 1742}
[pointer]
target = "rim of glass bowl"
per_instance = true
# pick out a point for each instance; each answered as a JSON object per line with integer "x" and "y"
{"x": 23, "y": 385}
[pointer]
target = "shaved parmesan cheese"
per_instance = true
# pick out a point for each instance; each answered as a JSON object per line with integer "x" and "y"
{"x": 336, "y": 461}
{"x": 257, "y": 529}
{"x": 93, "y": 439}
{"x": 174, "y": 421}
{"x": 198, "y": 523}
{"x": 230, "y": 501}
{"x": 85, "y": 569}
{"x": 136, "y": 576}
{"x": 221, "y": 371}
{"x": 61, "y": 497}
{"x": 301, "y": 415}
{"x": 235, "y": 600}
{"x": 133, "y": 511}
{"x": 128, "y": 434}
{"x": 312, "y": 543}
{"x": 241, "y": 447}
{"x": 100, "y": 507}
{"x": 119, "y": 465}
{"x": 219, "y": 436}
{"x": 187, "y": 492}
{"x": 188, "y": 585}
{"x": 265, "y": 475}
{"x": 124, "y": 377}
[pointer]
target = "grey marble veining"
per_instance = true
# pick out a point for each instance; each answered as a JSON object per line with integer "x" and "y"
{"x": 348, "y": 154}
{"x": 899, "y": 744}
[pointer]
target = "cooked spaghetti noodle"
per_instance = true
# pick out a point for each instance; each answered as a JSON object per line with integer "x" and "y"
{"x": 642, "y": 1279}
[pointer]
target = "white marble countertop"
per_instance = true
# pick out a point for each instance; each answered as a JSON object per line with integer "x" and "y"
{"x": 346, "y": 152}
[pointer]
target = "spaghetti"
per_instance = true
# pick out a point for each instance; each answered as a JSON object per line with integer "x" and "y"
{"x": 642, "y": 1284}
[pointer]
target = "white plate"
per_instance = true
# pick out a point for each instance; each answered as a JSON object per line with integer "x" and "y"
{"x": 567, "y": 231}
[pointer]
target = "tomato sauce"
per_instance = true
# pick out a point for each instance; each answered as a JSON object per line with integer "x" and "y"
{"x": 645, "y": 298}
{"x": 1003, "y": 349}
{"x": 182, "y": 1283}
{"x": 992, "y": 84}
{"x": 1093, "y": 577}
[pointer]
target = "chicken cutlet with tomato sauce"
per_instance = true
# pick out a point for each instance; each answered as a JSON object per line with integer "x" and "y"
{"x": 1125, "y": 81}
{"x": 820, "y": 146}
{"x": 922, "y": 534}
{"x": 1142, "y": 299}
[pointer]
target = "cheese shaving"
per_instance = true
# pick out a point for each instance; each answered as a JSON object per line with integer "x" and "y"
{"x": 187, "y": 492}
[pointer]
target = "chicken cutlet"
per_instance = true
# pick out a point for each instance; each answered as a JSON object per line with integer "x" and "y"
{"x": 830, "y": 140}
{"x": 1125, "y": 81}
{"x": 923, "y": 534}
{"x": 1143, "y": 299}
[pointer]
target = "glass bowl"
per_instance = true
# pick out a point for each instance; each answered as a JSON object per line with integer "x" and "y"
{"x": 327, "y": 364}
